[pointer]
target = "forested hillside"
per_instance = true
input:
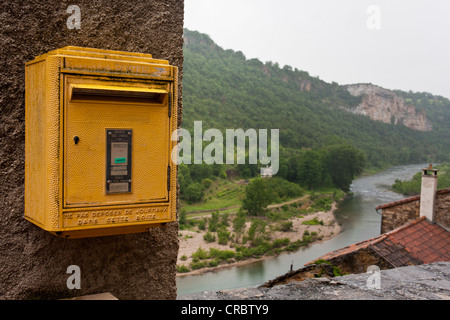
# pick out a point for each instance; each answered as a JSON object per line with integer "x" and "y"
{"x": 225, "y": 90}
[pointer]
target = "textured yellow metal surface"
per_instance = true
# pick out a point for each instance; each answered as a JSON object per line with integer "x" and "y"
{"x": 84, "y": 163}
{"x": 73, "y": 97}
{"x": 35, "y": 174}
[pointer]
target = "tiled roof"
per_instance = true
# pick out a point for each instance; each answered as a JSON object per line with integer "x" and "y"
{"x": 428, "y": 242}
{"x": 394, "y": 253}
{"x": 415, "y": 243}
{"x": 407, "y": 200}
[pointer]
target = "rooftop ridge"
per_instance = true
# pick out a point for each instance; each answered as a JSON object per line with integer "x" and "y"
{"x": 407, "y": 200}
{"x": 367, "y": 243}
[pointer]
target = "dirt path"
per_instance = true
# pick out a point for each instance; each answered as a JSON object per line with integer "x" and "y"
{"x": 272, "y": 206}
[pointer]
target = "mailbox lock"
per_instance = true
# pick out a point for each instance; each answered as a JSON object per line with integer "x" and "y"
{"x": 76, "y": 139}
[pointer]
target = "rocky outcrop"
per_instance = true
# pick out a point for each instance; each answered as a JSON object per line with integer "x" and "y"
{"x": 386, "y": 106}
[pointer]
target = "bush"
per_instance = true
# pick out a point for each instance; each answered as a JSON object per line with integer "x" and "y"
{"x": 200, "y": 254}
{"x": 182, "y": 218}
{"x": 224, "y": 220}
{"x": 222, "y": 255}
{"x": 206, "y": 183}
{"x": 286, "y": 226}
{"x": 213, "y": 222}
{"x": 213, "y": 263}
{"x": 198, "y": 265}
{"x": 322, "y": 204}
{"x": 182, "y": 269}
{"x": 257, "y": 229}
{"x": 209, "y": 237}
{"x": 239, "y": 221}
{"x": 313, "y": 222}
{"x": 294, "y": 245}
{"x": 223, "y": 235}
{"x": 278, "y": 243}
{"x": 202, "y": 224}
{"x": 336, "y": 271}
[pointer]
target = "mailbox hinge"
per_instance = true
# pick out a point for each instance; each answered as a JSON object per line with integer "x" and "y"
{"x": 170, "y": 104}
{"x": 168, "y": 178}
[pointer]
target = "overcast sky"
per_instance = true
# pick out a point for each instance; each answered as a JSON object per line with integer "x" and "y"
{"x": 396, "y": 44}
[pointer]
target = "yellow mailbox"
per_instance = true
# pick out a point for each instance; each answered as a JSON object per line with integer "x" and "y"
{"x": 98, "y": 127}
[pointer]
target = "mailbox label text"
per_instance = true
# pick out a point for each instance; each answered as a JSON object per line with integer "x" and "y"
{"x": 101, "y": 217}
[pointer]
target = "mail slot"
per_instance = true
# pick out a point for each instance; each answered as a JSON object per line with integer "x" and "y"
{"x": 98, "y": 127}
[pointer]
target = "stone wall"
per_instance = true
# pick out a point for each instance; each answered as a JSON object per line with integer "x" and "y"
{"x": 33, "y": 262}
{"x": 442, "y": 208}
{"x": 358, "y": 261}
{"x": 401, "y": 212}
{"x": 398, "y": 215}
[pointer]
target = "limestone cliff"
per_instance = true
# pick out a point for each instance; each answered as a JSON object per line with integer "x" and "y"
{"x": 386, "y": 106}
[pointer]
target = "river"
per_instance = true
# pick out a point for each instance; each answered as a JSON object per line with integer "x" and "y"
{"x": 356, "y": 215}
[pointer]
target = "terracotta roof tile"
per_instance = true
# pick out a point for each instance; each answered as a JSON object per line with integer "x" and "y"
{"x": 415, "y": 243}
{"x": 394, "y": 253}
{"x": 429, "y": 242}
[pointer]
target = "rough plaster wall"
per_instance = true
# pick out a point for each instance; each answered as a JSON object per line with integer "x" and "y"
{"x": 33, "y": 262}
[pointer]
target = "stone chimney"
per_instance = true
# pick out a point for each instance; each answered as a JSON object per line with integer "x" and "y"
{"x": 428, "y": 192}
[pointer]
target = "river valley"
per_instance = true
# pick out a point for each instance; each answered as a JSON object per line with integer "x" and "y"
{"x": 356, "y": 215}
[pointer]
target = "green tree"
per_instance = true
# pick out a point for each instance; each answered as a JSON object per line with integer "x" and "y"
{"x": 223, "y": 235}
{"x": 345, "y": 163}
{"x": 201, "y": 171}
{"x": 214, "y": 222}
{"x": 257, "y": 231}
{"x": 182, "y": 218}
{"x": 184, "y": 177}
{"x": 239, "y": 221}
{"x": 194, "y": 192}
{"x": 257, "y": 197}
{"x": 310, "y": 170}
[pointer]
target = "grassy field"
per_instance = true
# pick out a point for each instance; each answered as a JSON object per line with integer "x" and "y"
{"x": 222, "y": 194}
{"x": 226, "y": 196}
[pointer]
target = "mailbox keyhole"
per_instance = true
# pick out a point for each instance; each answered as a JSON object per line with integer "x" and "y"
{"x": 76, "y": 139}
